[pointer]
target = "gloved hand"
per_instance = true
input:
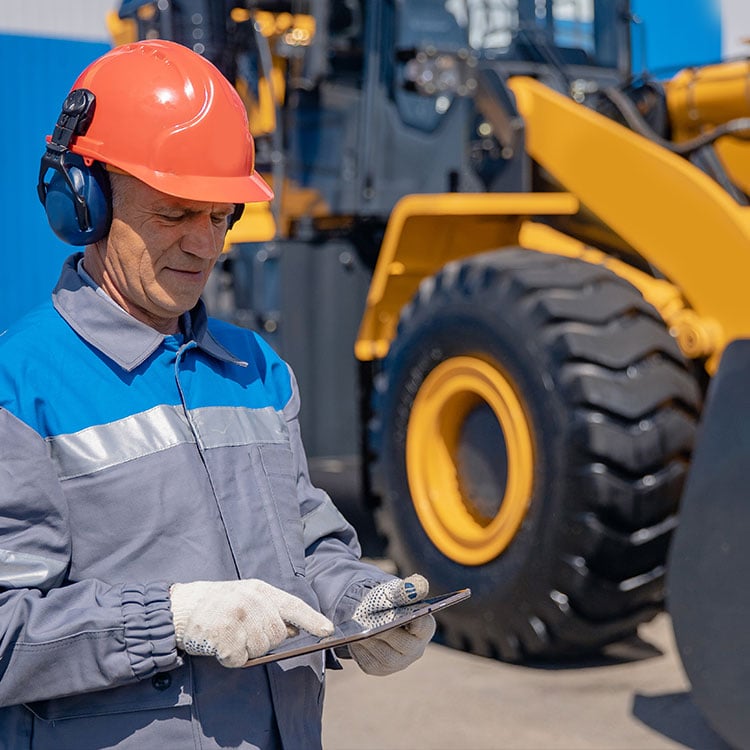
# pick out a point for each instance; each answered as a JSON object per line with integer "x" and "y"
{"x": 239, "y": 620}
{"x": 394, "y": 649}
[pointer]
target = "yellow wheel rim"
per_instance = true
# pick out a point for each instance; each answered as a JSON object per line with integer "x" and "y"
{"x": 450, "y": 393}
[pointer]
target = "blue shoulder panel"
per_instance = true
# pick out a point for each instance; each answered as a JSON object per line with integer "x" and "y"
{"x": 265, "y": 381}
{"x": 57, "y": 383}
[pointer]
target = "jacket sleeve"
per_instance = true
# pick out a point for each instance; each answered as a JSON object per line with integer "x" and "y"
{"x": 59, "y": 637}
{"x": 334, "y": 566}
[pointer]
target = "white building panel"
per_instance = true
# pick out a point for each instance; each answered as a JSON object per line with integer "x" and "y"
{"x": 83, "y": 20}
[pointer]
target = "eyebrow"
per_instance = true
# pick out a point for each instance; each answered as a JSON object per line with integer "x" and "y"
{"x": 184, "y": 210}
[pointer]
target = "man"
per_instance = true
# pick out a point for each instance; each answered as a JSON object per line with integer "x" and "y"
{"x": 157, "y": 524}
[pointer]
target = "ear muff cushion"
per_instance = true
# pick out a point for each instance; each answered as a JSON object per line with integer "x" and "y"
{"x": 92, "y": 184}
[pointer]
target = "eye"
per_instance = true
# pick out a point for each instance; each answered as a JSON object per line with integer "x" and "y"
{"x": 171, "y": 217}
{"x": 219, "y": 219}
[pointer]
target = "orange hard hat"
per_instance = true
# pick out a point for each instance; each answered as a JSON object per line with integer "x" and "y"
{"x": 168, "y": 116}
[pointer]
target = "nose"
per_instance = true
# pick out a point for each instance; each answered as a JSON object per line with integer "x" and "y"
{"x": 201, "y": 237}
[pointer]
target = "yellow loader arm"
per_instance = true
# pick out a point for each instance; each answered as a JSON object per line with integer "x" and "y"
{"x": 675, "y": 216}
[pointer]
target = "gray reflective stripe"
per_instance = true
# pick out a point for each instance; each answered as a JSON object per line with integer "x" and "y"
{"x": 324, "y": 520}
{"x": 225, "y": 426}
{"x": 107, "y": 445}
{"x": 19, "y": 570}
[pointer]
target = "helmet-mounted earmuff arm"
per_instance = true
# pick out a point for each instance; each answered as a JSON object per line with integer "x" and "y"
{"x": 74, "y": 120}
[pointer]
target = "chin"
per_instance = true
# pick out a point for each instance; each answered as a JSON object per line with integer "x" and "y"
{"x": 177, "y": 304}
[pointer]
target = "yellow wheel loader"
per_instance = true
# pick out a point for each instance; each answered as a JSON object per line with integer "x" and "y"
{"x": 537, "y": 259}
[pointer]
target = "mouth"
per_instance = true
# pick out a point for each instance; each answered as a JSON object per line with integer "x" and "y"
{"x": 187, "y": 273}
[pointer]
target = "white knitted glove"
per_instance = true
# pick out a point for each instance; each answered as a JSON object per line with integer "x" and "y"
{"x": 239, "y": 620}
{"x": 395, "y": 649}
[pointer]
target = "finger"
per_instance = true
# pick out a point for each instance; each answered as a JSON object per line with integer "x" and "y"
{"x": 232, "y": 659}
{"x": 377, "y": 618}
{"x": 405, "y": 640}
{"x": 423, "y": 627}
{"x": 300, "y": 615}
{"x": 263, "y": 631}
{"x": 398, "y": 593}
{"x": 377, "y": 657}
{"x": 369, "y": 665}
{"x": 415, "y": 588}
{"x": 275, "y": 629}
{"x": 233, "y": 651}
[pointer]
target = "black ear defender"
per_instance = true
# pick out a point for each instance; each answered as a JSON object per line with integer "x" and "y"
{"x": 239, "y": 209}
{"x": 78, "y": 196}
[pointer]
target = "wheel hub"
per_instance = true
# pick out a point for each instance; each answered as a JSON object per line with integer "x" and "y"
{"x": 470, "y": 459}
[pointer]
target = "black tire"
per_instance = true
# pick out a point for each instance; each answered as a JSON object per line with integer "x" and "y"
{"x": 610, "y": 406}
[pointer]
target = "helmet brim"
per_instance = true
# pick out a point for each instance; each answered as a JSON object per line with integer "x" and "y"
{"x": 250, "y": 188}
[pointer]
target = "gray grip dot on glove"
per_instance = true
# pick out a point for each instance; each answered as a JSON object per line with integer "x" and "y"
{"x": 395, "y": 649}
{"x": 381, "y": 605}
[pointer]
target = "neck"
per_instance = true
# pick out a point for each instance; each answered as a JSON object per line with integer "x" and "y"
{"x": 95, "y": 268}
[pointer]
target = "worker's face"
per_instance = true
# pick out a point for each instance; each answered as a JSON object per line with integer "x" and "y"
{"x": 159, "y": 252}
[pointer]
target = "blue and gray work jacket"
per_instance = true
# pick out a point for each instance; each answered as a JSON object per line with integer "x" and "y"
{"x": 130, "y": 460}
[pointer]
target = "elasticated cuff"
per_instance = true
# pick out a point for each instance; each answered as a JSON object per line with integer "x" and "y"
{"x": 149, "y": 631}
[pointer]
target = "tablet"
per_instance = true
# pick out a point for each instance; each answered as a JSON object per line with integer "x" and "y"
{"x": 351, "y": 631}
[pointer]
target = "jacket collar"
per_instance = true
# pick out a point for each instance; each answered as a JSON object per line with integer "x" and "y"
{"x": 115, "y": 333}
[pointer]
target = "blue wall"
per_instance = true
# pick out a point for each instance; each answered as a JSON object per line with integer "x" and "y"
{"x": 672, "y": 39}
{"x": 38, "y": 74}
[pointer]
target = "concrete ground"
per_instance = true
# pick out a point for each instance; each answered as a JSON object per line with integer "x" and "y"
{"x": 637, "y": 699}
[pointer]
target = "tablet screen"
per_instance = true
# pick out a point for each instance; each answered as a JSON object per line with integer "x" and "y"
{"x": 351, "y": 631}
